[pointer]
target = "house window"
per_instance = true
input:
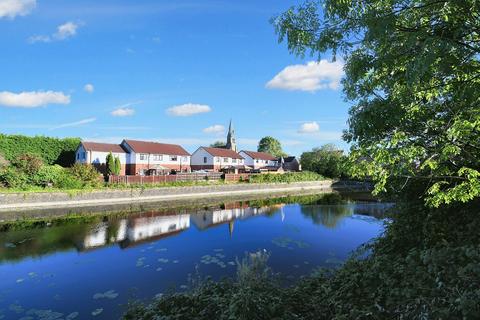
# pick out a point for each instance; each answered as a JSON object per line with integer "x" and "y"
{"x": 256, "y": 161}
{"x": 225, "y": 159}
{"x": 217, "y": 159}
{"x": 204, "y": 159}
{"x": 78, "y": 156}
{"x": 84, "y": 156}
{"x": 184, "y": 159}
{"x": 234, "y": 160}
{"x": 157, "y": 157}
{"x": 143, "y": 156}
{"x": 173, "y": 158}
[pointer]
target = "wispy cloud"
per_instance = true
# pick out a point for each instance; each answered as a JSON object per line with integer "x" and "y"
{"x": 188, "y": 109}
{"x": 312, "y": 76}
{"x": 309, "y": 127}
{"x": 215, "y": 129}
{"x": 32, "y": 99}
{"x": 12, "y": 8}
{"x": 64, "y": 31}
{"x": 89, "y": 88}
{"x": 74, "y": 124}
{"x": 125, "y": 110}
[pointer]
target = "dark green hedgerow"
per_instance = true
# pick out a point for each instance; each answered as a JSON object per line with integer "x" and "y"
{"x": 51, "y": 150}
{"x": 426, "y": 266}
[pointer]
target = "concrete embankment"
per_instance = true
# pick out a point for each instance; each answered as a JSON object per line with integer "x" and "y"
{"x": 44, "y": 200}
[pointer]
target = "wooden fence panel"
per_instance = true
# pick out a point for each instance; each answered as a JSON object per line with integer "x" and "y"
{"x": 181, "y": 177}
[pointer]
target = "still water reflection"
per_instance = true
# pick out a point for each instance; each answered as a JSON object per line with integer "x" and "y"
{"x": 90, "y": 269}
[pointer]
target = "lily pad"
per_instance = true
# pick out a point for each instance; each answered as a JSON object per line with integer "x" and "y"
{"x": 96, "y": 312}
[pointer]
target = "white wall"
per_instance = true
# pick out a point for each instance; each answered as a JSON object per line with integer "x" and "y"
{"x": 97, "y": 156}
{"x": 198, "y": 157}
{"x": 150, "y": 158}
{"x": 249, "y": 161}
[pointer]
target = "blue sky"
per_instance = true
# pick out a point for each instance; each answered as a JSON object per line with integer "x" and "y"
{"x": 171, "y": 71}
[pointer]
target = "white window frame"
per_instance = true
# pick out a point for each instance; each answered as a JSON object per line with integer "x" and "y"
{"x": 173, "y": 158}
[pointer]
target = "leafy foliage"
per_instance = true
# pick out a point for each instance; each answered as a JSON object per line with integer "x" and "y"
{"x": 50, "y": 150}
{"x": 412, "y": 72}
{"x": 327, "y": 161}
{"x": 286, "y": 177}
{"x": 118, "y": 166}
{"x": 272, "y": 146}
{"x": 87, "y": 174}
{"x": 218, "y": 144}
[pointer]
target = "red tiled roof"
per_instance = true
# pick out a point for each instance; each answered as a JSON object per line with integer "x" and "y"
{"x": 224, "y": 153}
{"x": 259, "y": 155}
{"x": 102, "y": 147}
{"x": 156, "y": 148}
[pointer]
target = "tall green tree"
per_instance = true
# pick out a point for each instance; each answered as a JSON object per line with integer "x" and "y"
{"x": 412, "y": 72}
{"x": 271, "y": 145}
{"x": 110, "y": 163}
{"x": 326, "y": 160}
{"x": 118, "y": 166}
{"x": 218, "y": 144}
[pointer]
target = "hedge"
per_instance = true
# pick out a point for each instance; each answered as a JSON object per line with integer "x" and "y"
{"x": 51, "y": 150}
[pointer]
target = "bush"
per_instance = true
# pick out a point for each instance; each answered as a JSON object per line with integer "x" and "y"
{"x": 286, "y": 177}
{"x": 49, "y": 175}
{"x": 86, "y": 173}
{"x": 28, "y": 163}
{"x": 10, "y": 177}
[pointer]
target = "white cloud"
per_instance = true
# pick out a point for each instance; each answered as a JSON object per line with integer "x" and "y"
{"x": 311, "y": 77}
{"x": 188, "y": 109}
{"x": 215, "y": 129}
{"x": 64, "y": 31}
{"x": 13, "y": 8}
{"x": 89, "y": 88}
{"x": 32, "y": 99}
{"x": 309, "y": 127}
{"x": 74, "y": 124}
{"x": 123, "y": 112}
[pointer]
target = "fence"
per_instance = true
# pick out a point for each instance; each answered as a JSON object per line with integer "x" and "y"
{"x": 181, "y": 177}
{"x": 237, "y": 177}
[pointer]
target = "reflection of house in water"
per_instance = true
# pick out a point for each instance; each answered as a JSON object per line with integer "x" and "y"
{"x": 375, "y": 209}
{"x": 96, "y": 237}
{"x": 135, "y": 230}
{"x": 233, "y": 211}
{"x": 153, "y": 228}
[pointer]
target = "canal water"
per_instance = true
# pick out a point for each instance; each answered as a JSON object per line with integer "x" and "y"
{"x": 91, "y": 268}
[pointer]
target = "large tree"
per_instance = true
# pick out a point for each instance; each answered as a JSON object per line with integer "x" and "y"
{"x": 412, "y": 72}
{"x": 327, "y": 160}
{"x": 271, "y": 145}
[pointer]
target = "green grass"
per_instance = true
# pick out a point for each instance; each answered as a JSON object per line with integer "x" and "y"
{"x": 261, "y": 178}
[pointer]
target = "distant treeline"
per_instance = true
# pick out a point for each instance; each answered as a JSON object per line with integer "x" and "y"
{"x": 51, "y": 150}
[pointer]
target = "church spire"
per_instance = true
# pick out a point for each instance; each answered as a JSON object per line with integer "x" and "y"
{"x": 231, "y": 141}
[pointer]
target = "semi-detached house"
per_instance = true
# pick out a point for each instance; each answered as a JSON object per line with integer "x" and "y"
{"x": 216, "y": 159}
{"x": 145, "y": 156}
{"x": 136, "y": 157}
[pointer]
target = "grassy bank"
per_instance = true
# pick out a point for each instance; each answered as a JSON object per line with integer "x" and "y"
{"x": 91, "y": 185}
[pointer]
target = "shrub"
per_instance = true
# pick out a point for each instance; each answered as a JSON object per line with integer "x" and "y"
{"x": 49, "y": 174}
{"x": 28, "y": 163}
{"x": 86, "y": 174}
{"x": 10, "y": 177}
{"x": 286, "y": 177}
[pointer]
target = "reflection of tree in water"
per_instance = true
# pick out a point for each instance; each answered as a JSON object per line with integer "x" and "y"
{"x": 327, "y": 215}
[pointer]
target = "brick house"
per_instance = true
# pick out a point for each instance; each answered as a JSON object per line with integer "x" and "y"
{"x": 152, "y": 158}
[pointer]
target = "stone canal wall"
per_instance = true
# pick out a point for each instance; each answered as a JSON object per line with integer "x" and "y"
{"x": 28, "y": 201}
